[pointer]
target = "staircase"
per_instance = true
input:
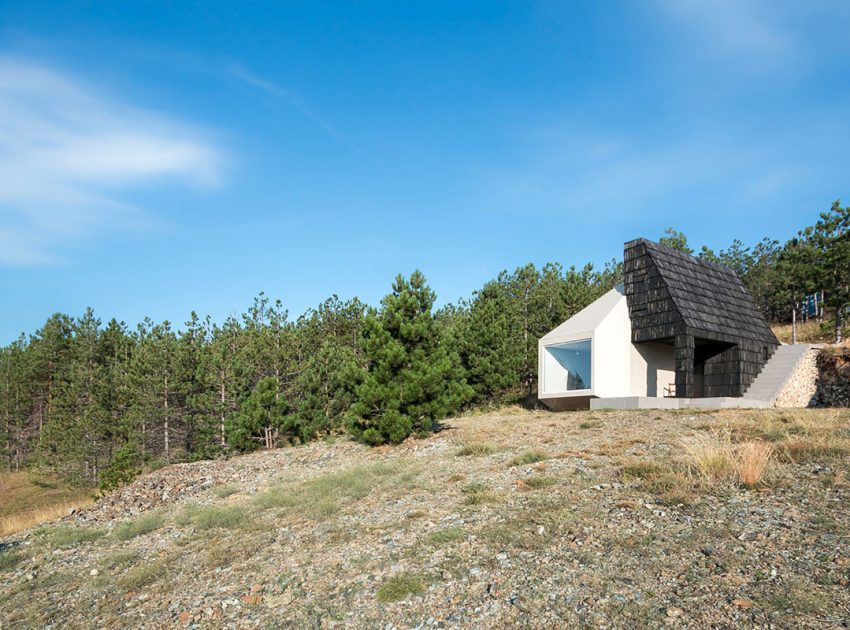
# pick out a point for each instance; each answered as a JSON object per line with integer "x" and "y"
{"x": 776, "y": 372}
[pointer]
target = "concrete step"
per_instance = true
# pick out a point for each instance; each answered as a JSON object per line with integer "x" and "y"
{"x": 769, "y": 382}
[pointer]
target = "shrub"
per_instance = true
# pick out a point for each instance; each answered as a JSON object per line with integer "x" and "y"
{"x": 399, "y": 587}
{"x": 142, "y": 525}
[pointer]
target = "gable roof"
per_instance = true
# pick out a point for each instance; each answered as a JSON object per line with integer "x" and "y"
{"x": 707, "y": 297}
{"x": 588, "y": 318}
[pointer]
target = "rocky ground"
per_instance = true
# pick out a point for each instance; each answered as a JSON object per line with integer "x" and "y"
{"x": 513, "y": 519}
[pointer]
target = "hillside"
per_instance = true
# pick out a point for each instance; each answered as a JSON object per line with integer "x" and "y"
{"x": 614, "y": 519}
{"x": 29, "y": 499}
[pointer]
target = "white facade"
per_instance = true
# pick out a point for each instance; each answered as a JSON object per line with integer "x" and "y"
{"x": 591, "y": 356}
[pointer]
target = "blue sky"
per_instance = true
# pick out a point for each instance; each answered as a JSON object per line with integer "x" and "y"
{"x": 161, "y": 157}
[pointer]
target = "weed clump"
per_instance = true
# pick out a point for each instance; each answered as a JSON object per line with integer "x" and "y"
{"x": 10, "y": 559}
{"x": 475, "y": 449}
{"x": 222, "y": 492}
{"x": 142, "y": 525}
{"x": 751, "y": 462}
{"x": 478, "y": 492}
{"x": 64, "y": 537}
{"x": 531, "y": 457}
{"x": 400, "y": 587}
{"x": 143, "y": 575}
{"x": 447, "y": 535}
{"x": 324, "y": 496}
{"x": 212, "y": 517}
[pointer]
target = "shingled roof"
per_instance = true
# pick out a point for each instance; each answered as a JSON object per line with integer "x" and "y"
{"x": 709, "y": 298}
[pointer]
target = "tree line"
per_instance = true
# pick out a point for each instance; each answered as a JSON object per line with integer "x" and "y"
{"x": 97, "y": 403}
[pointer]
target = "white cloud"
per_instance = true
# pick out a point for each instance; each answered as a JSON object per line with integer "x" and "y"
{"x": 290, "y": 97}
{"x": 758, "y": 37}
{"x": 70, "y": 157}
{"x": 734, "y": 26}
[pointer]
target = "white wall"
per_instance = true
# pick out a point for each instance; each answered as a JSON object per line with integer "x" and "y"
{"x": 618, "y": 367}
{"x": 653, "y": 367}
{"x": 611, "y": 349}
{"x": 554, "y": 375}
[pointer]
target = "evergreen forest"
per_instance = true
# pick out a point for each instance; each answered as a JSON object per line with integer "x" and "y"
{"x": 97, "y": 401}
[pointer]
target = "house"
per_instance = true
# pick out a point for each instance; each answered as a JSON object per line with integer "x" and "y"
{"x": 679, "y": 332}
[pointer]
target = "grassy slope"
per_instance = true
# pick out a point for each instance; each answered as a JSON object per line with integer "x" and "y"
{"x": 634, "y": 519}
{"x": 28, "y": 500}
{"x": 808, "y": 332}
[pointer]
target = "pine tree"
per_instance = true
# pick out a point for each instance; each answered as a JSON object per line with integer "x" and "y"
{"x": 158, "y": 382}
{"x": 676, "y": 240}
{"x": 49, "y": 349}
{"x": 117, "y": 346}
{"x": 830, "y": 239}
{"x": 224, "y": 386}
{"x": 261, "y": 418}
{"x": 491, "y": 352}
{"x": 412, "y": 377}
{"x": 16, "y": 402}
{"x": 325, "y": 388}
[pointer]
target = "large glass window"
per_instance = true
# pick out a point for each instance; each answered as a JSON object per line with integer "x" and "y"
{"x": 567, "y": 367}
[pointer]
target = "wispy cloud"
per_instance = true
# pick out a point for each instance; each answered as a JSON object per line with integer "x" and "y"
{"x": 757, "y": 36}
{"x": 70, "y": 156}
{"x": 597, "y": 178}
{"x": 292, "y": 98}
{"x": 734, "y": 26}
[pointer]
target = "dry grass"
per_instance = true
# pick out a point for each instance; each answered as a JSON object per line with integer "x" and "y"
{"x": 141, "y": 525}
{"x": 19, "y": 522}
{"x": 446, "y": 535}
{"x": 479, "y": 492}
{"x": 144, "y": 574}
{"x": 531, "y": 457}
{"x": 475, "y": 449}
{"x": 802, "y": 450}
{"x": 591, "y": 423}
{"x": 399, "y": 587}
{"x": 323, "y": 497}
{"x": 537, "y": 525}
{"x": 210, "y": 517}
{"x": 65, "y": 537}
{"x": 715, "y": 459}
{"x": 807, "y": 332}
{"x": 710, "y": 455}
{"x": 751, "y": 462}
{"x": 29, "y": 501}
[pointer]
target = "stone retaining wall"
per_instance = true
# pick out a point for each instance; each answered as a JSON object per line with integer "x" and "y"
{"x": 834, "y": 377}
{"x": 802, "y": 386}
